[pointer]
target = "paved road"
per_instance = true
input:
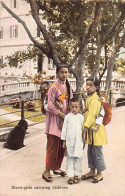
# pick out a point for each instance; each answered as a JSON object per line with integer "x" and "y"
{"x": 20, "y": 171}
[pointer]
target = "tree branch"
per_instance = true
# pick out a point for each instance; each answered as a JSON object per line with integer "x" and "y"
{"x": 86, "y": 38}
{"x": 26, "y": 29}
{"x": 35, "y": 14}
{"x": 117, "y": 22}
{"x": 106, "y": 63}
{"x": 98, "y": 54}
{"x": 121, "y": 42}
{"x": 112, "y": 60}
{"x": 44, "y": 8}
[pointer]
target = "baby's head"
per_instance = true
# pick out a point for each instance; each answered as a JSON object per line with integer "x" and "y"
{"x": 44, "y": 86}
{"x": 104, "y": 98}
{"x": 74, "y": 105}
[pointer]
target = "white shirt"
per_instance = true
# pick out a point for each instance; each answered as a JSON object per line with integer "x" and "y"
{"x": 72, "y": 133}
{"x": 99, "y": 120}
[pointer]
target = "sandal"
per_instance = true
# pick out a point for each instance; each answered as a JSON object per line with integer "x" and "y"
{"x": 95, "y": 180}
{"x": 85, "y": 177}
{"x": 71, "y": 181}
{"x": 59, "y": 172}
{"x": 47, "y": 178}
{"x": 76, "y": 179}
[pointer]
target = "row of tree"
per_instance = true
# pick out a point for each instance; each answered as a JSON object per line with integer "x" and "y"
{"x": 80, "y": 33}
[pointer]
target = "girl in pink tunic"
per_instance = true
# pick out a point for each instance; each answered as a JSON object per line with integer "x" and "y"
{"x": 54, "y": 116}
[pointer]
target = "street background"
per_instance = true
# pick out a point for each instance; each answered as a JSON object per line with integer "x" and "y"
{"x": 21, "y": 170}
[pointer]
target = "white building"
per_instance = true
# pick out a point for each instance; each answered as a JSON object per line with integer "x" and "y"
{"x": 13, "y": 37}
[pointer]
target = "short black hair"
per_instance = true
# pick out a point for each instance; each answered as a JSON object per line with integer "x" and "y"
{"x": 61, "y": 66}
{"x": 45, "y": 82}
{"x": 74, "y": 99}
{"x": 94, "y": 79}
{"x": 96, "y": 82}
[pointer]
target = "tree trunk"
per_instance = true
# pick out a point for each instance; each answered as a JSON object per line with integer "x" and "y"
{"x": 106, "y": 63}
{"x": 81, "y": 70}
{"x": 112, "y": 59}
{"x": 80, "y": 79}
{"x": 98, "y": 55}
{"x": 109, "y": 71}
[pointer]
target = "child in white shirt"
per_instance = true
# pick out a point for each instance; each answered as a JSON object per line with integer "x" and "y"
{"x": 72, "y": 140}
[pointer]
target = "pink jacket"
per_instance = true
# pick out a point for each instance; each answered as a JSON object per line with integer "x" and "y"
{"x": 52, "y": 119}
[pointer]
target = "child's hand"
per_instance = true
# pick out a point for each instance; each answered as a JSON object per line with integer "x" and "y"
{"x": 84, "y": 137}
{"x": 94, "y": 128}
{"x": 61, "y": 125}
{"x": 85, "y": 109}
{"x": 58, "y": 105}
{"x": 84, "y": 134}
{"x": 62, "y": 115}
{"x": 64, "y": 144}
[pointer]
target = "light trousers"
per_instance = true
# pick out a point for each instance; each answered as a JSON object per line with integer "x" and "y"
{"x": 73, "y": 166}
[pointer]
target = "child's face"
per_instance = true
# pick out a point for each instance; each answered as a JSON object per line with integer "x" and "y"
{"x": 103, "y": 99}
{"x": 74, "y": 107}
{"x": 63, "y": 74}
{"x": 43, "y": 87}
{"x": 90, "y": 87}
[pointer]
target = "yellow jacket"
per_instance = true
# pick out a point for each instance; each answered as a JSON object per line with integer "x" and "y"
{"x": 94, "y": 106}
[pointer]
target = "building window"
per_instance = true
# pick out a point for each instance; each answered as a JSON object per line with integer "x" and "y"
{"x": 40, "y": 63}
{"x": 1, "y": 61}
{"x": 1, "y": 32}
{"x": 38, "y": 32}
{"x": 13, "y": 3}
{"x": 14, "y": 31}
{"x": 50, "y": 64}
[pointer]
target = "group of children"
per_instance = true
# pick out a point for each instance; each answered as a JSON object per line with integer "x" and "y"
{"x": 72, "y": 139}
{"x": 79, "y": 129}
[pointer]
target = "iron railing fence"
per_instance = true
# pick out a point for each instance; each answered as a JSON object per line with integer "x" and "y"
{"x": 22, "y": 112}
{"x": 23, "y": 109}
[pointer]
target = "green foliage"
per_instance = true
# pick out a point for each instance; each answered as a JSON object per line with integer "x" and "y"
{"x": 21, "y": 56}
{"x": 120, "y": 66}
{"x": 69, "y": 23}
